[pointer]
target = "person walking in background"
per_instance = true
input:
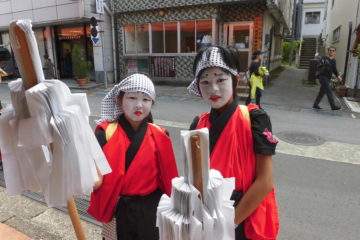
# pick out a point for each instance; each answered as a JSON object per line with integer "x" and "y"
{"x": 257, "y": 72}
{"x": 48, "y": 68}
{"x": 326, "y": 68}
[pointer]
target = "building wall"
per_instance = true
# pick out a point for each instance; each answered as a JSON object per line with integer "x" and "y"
{"x": 39, "y": 11}
{"x": 183, "y": 63}
{"x": 340, "y": 15}
{"x": 141, "y": 5}
{"x": 225, "y": 14}
{"x": 313, "y": 29}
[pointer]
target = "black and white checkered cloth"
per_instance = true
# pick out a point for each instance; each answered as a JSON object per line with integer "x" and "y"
{"x": 210, "y": 58}
{"x": 110, "y": 109}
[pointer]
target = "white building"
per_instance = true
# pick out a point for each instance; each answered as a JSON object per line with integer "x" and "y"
{"x": 59, "y": 25}
{"x": 313, "y": 17}
{"x": 341, "y": 21}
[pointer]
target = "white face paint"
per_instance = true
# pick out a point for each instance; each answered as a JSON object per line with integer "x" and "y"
{"x": 216, "y": 87}
{"x": 136, "y": 105}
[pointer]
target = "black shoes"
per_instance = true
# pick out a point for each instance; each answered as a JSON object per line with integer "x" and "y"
{"x": 317, "y": 107}
{"x": 335, "y": 108}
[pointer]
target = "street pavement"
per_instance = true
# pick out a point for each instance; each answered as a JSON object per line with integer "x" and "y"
{"x": 316, "y": 168}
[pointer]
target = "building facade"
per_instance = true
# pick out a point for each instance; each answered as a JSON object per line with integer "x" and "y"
{"x": 313, "y": 17}
{"x": 161, "y": 38}
{"x": 61, "y": 25}
{"x": 341, "y": 21}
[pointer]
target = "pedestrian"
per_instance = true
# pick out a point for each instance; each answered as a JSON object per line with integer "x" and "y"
{"x": 326, "y": 68}
{"x": 48, "y": 68}
{"x": 141, "y": 158}
{"x": 257, "y": 73}
{"x": 240, "y": 141}
{"x": 68, "y": 63}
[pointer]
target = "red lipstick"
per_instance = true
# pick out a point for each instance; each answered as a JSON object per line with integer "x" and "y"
{"x": 214, "y": 98}
{"x": 138, "y": 113}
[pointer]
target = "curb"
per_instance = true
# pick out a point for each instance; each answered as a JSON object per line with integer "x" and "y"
{"x": 8, "y": 233}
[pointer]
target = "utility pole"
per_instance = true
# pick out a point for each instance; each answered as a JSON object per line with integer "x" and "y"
{"x": 291, "y": 55}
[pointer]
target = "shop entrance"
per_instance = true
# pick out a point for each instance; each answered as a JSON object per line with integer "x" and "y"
{"x": 240, "y": 36}
{"x": 67, "y": 37}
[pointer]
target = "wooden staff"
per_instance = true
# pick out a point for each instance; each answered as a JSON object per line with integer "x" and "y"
{"x": 29, "y": 80}
{"x": 196, "y": 163}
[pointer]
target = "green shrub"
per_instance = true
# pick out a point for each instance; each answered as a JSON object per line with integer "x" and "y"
{"x": 286, "y": 50}
{"x": 80, "y": 66}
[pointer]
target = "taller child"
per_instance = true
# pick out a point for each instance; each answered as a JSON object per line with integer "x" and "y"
{"x": 241, "y": 142}
{"x": 141, "y": 158}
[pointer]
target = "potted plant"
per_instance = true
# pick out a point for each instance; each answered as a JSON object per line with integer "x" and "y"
{"x": 80, "y": 66}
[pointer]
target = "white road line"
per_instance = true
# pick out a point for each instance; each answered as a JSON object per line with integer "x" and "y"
{"x": 166, "y": 123}
{"x": 331, "y": 151}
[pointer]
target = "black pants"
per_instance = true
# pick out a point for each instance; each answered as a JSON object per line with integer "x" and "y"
{"x": 325, "y": 88}
{"x": 239, "y": 230}
{"x": 258, "y": 95}
{"x": 136, "y": 217}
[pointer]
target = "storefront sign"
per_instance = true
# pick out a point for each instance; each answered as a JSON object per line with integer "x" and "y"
{"x": 162, "y": 66}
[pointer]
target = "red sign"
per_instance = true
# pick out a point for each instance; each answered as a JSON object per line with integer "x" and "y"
{"x": 162, "y": 66}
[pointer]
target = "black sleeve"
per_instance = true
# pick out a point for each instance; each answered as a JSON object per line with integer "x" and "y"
{"x": 254, "y": 68}
{"x": 101, "y": 137}
{"x": 194, "y": 123}
{"x": 335, "y": 71}
{"x": 264, "y": 142}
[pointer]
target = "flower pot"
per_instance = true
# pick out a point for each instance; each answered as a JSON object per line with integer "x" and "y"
{"x": 82, "y": 81}
{"x": 341, "y": 91}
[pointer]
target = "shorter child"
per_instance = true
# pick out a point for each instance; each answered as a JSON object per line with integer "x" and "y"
{"x": 141, "y": 157}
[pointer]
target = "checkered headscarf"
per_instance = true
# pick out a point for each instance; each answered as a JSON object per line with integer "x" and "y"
{"x": 110, "y": 109}
{"x": 210, "y": 58}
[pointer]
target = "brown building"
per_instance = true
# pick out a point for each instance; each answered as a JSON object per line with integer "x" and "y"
{"x": 161, "y": 37}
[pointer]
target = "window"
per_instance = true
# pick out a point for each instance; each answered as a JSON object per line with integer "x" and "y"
{"x": 142, "y": 38}
{"x": 203, "y": 33}
{"x": 136, "y": 38}
{"x": 157, "y": 30}
{"x": 336, "y": 34}
{"x": 312, "y": 17}
{"x": 187, "y": 39}
{"x": 171, "y": 37}
{"x": 168, "y": 37}
{"x": 130, "y": 39}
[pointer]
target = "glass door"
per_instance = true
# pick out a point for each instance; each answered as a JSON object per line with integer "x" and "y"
{"x": 240, "y": 36}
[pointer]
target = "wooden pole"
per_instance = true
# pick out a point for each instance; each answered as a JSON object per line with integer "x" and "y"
{"x": 196, "y": 163}
{"x": 29, "y": 79}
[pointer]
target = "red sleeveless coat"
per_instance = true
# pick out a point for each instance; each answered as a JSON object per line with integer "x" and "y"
{"x": 152, "y": 167}
{"x": 233, "y": 156}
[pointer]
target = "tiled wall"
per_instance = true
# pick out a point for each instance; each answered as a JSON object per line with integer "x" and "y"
{"x": 140, "y": 5}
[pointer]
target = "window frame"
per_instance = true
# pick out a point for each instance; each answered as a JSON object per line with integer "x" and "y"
{"x": 337, "y": 31}
{"x": 312, "y": 14}
{"x": 178, "y": 52}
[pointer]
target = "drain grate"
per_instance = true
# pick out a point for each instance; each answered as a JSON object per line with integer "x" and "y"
{"x": 300, "y": 138}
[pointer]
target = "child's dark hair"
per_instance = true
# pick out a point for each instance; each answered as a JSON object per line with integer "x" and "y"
{"x": 231, "y": 59}
{"x": 148, "y": 118}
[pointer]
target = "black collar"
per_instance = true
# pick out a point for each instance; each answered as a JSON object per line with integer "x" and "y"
{"x": 218, "y": 122}
{"x": 135, "y": 137}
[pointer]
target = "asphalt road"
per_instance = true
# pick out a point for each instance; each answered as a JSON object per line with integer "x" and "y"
{"x": 317, "y": 185}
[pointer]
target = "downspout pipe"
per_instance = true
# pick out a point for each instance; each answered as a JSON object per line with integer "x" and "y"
{"x": 111, "y": 13}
